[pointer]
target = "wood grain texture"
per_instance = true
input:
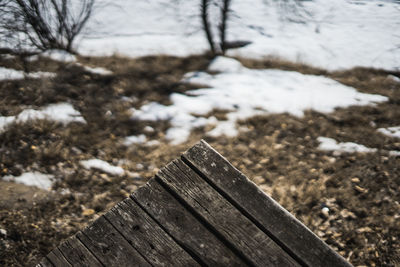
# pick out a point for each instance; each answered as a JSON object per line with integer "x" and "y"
{"x": 285, "y": 229}
{"x": 189, "y": 233}
{"x": 146, "y": 236}
{"x": 45, "y": 263}
{"x": 252, "y": 243}
{"x": 77, "y": 254}
{"x": 109, "y": 246}
{"x": 57, "y": 259}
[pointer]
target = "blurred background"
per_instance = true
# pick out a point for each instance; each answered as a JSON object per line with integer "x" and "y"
{"x": 303, "y": 97}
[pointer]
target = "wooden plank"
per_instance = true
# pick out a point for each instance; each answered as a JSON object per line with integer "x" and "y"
{"x": 146, "y": 236}
{"x": 184, "y": 227}
{"x": 57, "y": 259}
{"x": 77, "y": 254}
{"x": 109, "y": 246}
{"x": 253, "y": 244}
{"x": 285, "y": 229}
{"x": 45, "y": 263}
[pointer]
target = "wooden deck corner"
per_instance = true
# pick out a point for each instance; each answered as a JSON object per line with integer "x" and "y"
{"x": 197, "y": 211}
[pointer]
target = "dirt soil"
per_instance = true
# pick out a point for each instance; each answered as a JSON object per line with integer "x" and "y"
{"x": 278, "y": 152}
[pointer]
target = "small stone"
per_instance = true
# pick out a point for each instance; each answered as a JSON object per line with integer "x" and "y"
{"x": 3, "y": 232}
{"x": 364, "y": 230}
{"x": 139, "y": 166}
{"x": 134, "y": 175}
{"x": 332, "y": 160}
{"x": 278, "y": 146}
{"x": 347, "y": 214}
{"x": 355, "y": 180}
{"x": 148, "y": 129}
{"x": 88, "y": 212}
{"x": 258, "y": 180}
{"x": 360, "y": 189}
{"x": 325, "y": 211}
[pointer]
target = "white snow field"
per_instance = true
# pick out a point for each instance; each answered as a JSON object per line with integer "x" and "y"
{"x": 337, "y": 34}
{"x": 247, "y": 92}
{"x": 61, "y": 112}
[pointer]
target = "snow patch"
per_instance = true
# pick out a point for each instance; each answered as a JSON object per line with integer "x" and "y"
{"x": 135, "y": 139}
{"x": 247, "y": 92}
{"x": 59, "y": 55}
{"x": 394, "y": 153}
{"x": 148, "y": 129}
{"x": 391, "y": 131}
{"x": 394, "y": 78}
{"x": 153, "y": 143}
{"x": 102, "y": 165}
{"x": 96, "y": 70}
{"x": 329, "y": 144}
{"x": 11, "y": 74}
{"x": 61, "y": 112}
{"x": 225, "y": 64}
{"x": 140, "y": 139}
{"x": 40, "y": 180}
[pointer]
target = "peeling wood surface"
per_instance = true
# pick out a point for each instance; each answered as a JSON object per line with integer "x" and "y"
{"x": 235, "y": 229}
{"x": 284, "y": 228}
{"x": 186, "y": 229}
{"x": 143, "y": 233}
{"x": 198, "y": 210}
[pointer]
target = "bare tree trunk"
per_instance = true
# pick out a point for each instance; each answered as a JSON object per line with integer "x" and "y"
{"x": 204, "y": 17}
{"x": 223, "y": 25}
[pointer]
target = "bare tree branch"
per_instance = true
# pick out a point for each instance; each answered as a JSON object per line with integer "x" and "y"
{"x": 46, "y": 24}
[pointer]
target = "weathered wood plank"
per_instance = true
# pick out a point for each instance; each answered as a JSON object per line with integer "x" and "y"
{"x": 298, "y": 240}
{"x": 184, "y": 227}
{"x": 109, "y": 246}
{"x": 239, "y": 231}
{"x": 45, "y": 263}
{"x": 57, "y": 259}
{"x": 77, "y": 254}
{"x": 146, "y": 236}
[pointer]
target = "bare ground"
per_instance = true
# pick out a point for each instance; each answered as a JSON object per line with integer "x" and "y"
{"x": 279, "y": 153}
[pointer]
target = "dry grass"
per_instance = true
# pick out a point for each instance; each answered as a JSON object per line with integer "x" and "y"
{"x": 279, "y": 153}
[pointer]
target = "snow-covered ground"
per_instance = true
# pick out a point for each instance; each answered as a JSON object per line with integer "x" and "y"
{"x": 11, "y": 74}
{"x": 59, "y": 55}
{"x": 135, "y": 139}
{"x": 40, "y": 180}
{"x": 329, "y": 144}
{"x": 247, "y": 92}
{"x": 61, "y": 112}
{"x": 391, "y": 131}
{"x": 329, "y": 34}
{"x": 139, "y": 139}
